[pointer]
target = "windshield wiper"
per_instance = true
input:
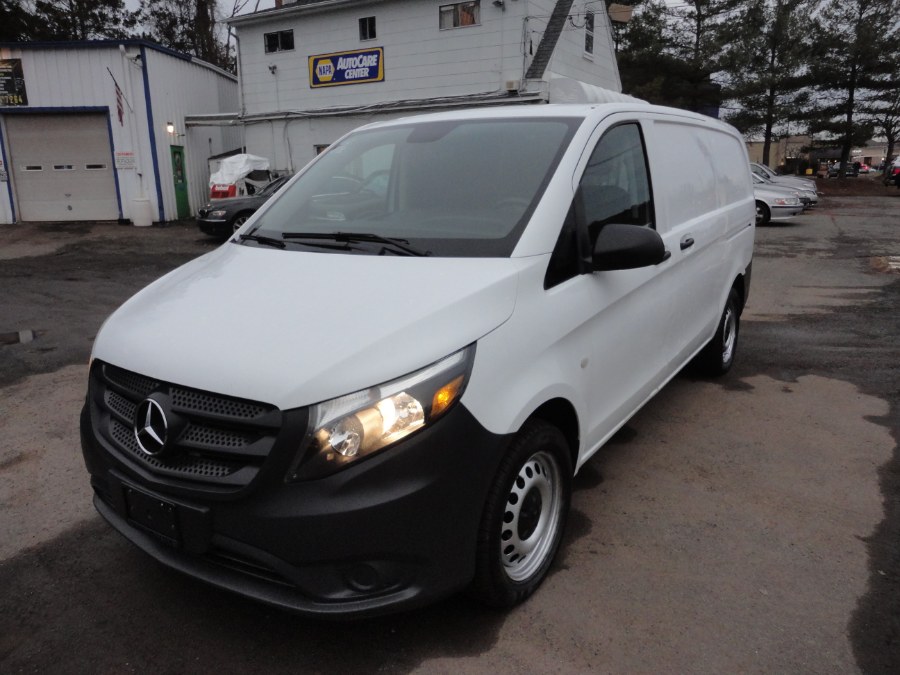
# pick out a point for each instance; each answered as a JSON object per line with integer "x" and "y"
{"x": 396, "y": 244}
{"x": 259, "y": 239}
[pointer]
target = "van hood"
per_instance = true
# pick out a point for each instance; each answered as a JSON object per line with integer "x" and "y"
{"x": 293, "y": 328}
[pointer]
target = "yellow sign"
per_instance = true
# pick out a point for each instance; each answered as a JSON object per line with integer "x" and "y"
{"x": 356, "y": 67}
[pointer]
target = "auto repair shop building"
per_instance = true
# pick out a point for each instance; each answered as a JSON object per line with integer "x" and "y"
{"x": 312, "y": 70}
{"x": 95, "y": 131}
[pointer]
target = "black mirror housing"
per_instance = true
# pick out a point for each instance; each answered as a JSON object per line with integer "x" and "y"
{"x": 625, "y": 247}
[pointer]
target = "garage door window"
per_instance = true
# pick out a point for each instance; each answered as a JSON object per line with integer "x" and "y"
{"x": 63, "y": 167}
{"x": 95, "y": 167}
{"x": 32, "y": 167}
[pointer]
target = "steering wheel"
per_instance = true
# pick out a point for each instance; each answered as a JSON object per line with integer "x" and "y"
{"x": 366, "y": 185}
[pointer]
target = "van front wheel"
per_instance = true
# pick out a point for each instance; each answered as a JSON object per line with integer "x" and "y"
{"x": 524, "y": 516}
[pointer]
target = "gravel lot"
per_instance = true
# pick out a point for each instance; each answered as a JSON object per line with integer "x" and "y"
{"x": 746, "y": 525}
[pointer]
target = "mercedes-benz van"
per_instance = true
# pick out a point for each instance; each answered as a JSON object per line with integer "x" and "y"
{"x": 377, "y": 392}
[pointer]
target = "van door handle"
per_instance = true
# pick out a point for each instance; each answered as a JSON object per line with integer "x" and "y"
{"x": 687, "y": 242}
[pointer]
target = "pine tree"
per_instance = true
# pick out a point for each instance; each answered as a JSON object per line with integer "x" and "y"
{"x": 187, "y": 26}
{"x": 669, "y": 55}
{"x": 883, "y": 113}
{"x": 81, "y": 20}
{"x": 855, "y": 55}
{"x": 764, "y": 66}
{"x": 15, "y": 21}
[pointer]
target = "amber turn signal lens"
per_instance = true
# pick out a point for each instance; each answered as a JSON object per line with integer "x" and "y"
{"x": 445, "y": 396}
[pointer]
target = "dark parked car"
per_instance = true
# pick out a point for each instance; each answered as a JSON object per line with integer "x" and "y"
{"x": 221, "y": 217}
{"x": 892, "y": 173}
{"x": 851, "y": 172}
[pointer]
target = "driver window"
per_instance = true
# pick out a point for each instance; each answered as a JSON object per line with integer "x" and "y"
{"x": 615, "y": 187}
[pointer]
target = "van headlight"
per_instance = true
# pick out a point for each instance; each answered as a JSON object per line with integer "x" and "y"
{"x": 348, "y": 428}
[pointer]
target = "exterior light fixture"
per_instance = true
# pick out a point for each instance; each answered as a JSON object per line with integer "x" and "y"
{"x": 170, "y": 127}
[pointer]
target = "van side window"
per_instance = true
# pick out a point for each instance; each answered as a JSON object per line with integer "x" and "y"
{"x": 615, "y": 187}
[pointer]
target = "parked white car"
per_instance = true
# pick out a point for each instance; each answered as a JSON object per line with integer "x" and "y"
{"x": 414, "y": 373}
{"x": 775, "y": 202}
{"x": 807, "y": 186}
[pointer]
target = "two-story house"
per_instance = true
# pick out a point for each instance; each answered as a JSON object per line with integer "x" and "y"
{"x": 311, "y": 70}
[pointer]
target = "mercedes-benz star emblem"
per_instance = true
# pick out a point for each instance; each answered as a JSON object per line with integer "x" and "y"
{"x": 150, "y": 427}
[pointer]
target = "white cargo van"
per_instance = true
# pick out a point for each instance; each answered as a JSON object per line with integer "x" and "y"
{"x": 378, "y": 391}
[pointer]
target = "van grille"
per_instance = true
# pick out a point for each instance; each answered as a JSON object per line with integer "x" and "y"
{"x": 215, "y": 440}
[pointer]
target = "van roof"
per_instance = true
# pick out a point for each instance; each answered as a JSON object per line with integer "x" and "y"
{"x": 574, "y": 110}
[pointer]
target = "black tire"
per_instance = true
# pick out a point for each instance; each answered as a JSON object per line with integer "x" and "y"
{"x": 240, "y": 219}
{"x": 524, "y": 516}
{"x": 763, "y": 213}
{"x": 717, "y": 357}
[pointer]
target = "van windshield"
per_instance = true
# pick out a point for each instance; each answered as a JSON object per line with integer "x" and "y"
{"x": 462, "y": 188}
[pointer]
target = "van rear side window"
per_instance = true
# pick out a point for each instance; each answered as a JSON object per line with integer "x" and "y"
{"x": 689, "y": 173}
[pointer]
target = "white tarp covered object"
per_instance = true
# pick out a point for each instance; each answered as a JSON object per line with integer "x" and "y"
{"x": 566, "y": 90}
{"x": 234, "y": 168}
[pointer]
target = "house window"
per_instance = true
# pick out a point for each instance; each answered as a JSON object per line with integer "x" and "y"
{"x": 589, "y": 32}
{"x": 460, "y": 14}
{"x": 282, "y": 41}
{"x": 367, "y": 28}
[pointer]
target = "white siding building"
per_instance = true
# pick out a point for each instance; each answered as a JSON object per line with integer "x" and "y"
{"x": 96, "y": 131}
{"x": 314, "y": 69}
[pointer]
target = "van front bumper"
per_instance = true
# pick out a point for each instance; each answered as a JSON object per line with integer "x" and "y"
{"x": 395, "y": 531}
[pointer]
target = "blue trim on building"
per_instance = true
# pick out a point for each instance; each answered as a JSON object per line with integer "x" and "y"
{"x": 152, "y": 128}
{"x": 8, "y": 169}
{"x": 112, "y": 153}
{"x": 114, "y": 44}
{"x": 96, "y": 44}
{"x": 55, "y": 109}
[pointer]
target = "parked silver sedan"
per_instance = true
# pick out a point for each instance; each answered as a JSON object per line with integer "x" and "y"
{"x": 806, "y": 187}
{"x": 774, "y": 202}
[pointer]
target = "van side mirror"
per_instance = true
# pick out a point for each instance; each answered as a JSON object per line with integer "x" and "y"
{"x": 625, "y": 247}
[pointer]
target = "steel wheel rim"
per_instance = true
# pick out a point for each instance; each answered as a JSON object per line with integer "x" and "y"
{"x": 729, "y": 334}
{"x": 532, "y": 516}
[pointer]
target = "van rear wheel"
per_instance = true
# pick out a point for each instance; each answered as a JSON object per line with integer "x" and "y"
{"x": 524, "y": 517}
{"x": 717, "y": 357}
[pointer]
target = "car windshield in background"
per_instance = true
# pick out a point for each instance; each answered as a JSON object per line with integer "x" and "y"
{"x": 270, "y": 189}
{"x": 459, "y": 188}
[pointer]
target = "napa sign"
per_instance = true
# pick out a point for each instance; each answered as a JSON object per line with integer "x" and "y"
{"x": 332, "y": 70}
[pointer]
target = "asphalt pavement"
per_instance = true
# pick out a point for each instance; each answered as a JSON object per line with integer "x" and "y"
{"x": 751, "y": 524}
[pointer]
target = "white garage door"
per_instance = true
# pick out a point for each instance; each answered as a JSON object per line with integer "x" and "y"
{"x": 62, "y": 167}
